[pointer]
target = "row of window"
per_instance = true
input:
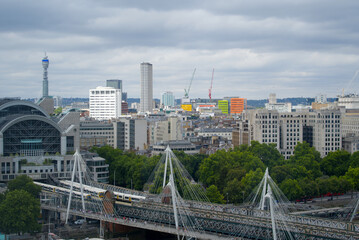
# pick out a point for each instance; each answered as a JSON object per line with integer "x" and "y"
{"x": 36, "y": 171}
{"x": 332, "y": 144}
{"x": 102, "y": 92}
{"x": 292, "y": 134}
{"x": 98, "y": 133}
{"x": 269, "y": 131}
{"x": 5, "y": 167}
{"x": 332, "y": 139}
{"x": 331, "y": 149}
{"x": 332, "y": 135}
{"x": 270, "y": 126}
{"x": 267, "y": 116}
{"x": 269, "y": 135}
{"x": 268, "y": 122}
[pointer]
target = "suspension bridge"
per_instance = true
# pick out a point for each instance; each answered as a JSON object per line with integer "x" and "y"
{"x": 173, "y": 203}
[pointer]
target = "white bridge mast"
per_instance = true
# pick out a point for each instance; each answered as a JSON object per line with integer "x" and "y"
{"x": 78, "y": 165}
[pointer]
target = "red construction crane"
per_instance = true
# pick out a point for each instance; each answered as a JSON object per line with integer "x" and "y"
{"x": 210, "y": 90}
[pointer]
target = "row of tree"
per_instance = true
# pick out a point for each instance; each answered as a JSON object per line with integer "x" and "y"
{"x": 233, "y": 175}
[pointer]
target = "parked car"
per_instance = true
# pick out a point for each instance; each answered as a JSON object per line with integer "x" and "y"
{"x": 80, "y": 221}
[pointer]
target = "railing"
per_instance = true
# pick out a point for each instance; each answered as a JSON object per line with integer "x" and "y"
{"x": 213, "y": 218}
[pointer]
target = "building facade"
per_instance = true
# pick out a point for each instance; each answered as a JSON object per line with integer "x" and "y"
{"x": 130, "y": 134}
{"x": 34, "y": 143}
{"x": 280, "y": 107}
{"x": 97, "y": 166}
{"x": 168, "y": 99}
{"x": 350, "y": 122}
{"x": 27, "y": 129}
{"x": 219, "y": 132}
{"x": 146, "y": 101}
{"x": 96, "y": 133}
{"x": 105, "y": 103}
{"x": 238, "y": 105}
{"x": 165, "y": 129}
{"x": 187, "y": 147}
{"x": 223, "y": 106}
{"x": 321, "y": 129}
{"x": 114, "y": 83}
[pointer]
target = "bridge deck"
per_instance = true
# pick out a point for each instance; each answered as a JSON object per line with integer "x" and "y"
{"x": 218, "y": 221}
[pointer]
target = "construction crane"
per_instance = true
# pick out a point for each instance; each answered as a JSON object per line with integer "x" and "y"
{"x": 210, "y": 89}
{"x": 186, "y": 92}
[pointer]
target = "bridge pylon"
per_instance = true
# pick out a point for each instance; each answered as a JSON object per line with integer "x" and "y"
{"x": 79, "y": 167}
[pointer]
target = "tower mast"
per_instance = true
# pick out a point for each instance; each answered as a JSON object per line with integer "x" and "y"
{"x": 45, "y": 82}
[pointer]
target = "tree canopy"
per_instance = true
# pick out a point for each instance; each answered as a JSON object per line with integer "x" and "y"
{"x": 23, "y": 182}
{"x": 233, "y": 174}
{"x": 19, "y": 212}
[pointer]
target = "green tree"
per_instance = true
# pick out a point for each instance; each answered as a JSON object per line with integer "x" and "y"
{"x": 310, "y": 187}
{"x": 25, "y": 183}
{"x": 354, "y": 160}
{"x": 214, "y": 195}
{"x": 267, "y": 153}
{"x": 323, "y": 185}
{"x": 352, "y": 175}
{"x": 2, "y": 197}
{"x": 336, "y": 163}
{"x": 291, "y": 189}
{"x": 289, "y": 171}
{"x": 19, "y": 213}
{"x": 234, "y": 191}
{"x": 250, "y": 181}
{"x": 302, "y": 149}
{"x": 191, "y": 162}
{"x": 307, "y": 157}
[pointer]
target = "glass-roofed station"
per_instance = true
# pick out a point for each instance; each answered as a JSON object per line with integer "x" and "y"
{"x": 39, "y": 145}
{"x": 26, "y": 129}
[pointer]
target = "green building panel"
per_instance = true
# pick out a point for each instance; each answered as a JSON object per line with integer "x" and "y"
{"x": 223, "y": 105}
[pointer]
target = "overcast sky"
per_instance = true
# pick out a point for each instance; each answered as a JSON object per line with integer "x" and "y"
{"x": 293, "y": 48}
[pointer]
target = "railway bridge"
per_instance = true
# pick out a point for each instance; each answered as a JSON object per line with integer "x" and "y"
{"x": 190, "y": 219}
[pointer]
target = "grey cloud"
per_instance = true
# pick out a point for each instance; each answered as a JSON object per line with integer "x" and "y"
{"x": 256, "y": 47}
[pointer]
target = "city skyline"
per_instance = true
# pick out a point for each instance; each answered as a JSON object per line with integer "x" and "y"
{"x": 297, "y": 49}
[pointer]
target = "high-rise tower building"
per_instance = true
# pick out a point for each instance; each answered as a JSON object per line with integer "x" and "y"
{"x": 45, "y": 83}
{"x": 146, "y": 88}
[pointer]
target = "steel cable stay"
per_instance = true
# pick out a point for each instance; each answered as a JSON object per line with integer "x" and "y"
{"x": 181, "y": 205}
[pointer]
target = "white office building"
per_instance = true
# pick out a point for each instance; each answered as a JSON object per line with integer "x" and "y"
{"x": 105, "y": 103}
{"x": 146, "y": 88}
{"x": 321, "y": 129}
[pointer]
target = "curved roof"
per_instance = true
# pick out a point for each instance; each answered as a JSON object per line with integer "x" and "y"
{"x": 5, "y": 103}
{"x": 13, "y": 119}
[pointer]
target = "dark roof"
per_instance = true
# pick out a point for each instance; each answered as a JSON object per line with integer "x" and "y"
{"x": 6, "y": 100}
